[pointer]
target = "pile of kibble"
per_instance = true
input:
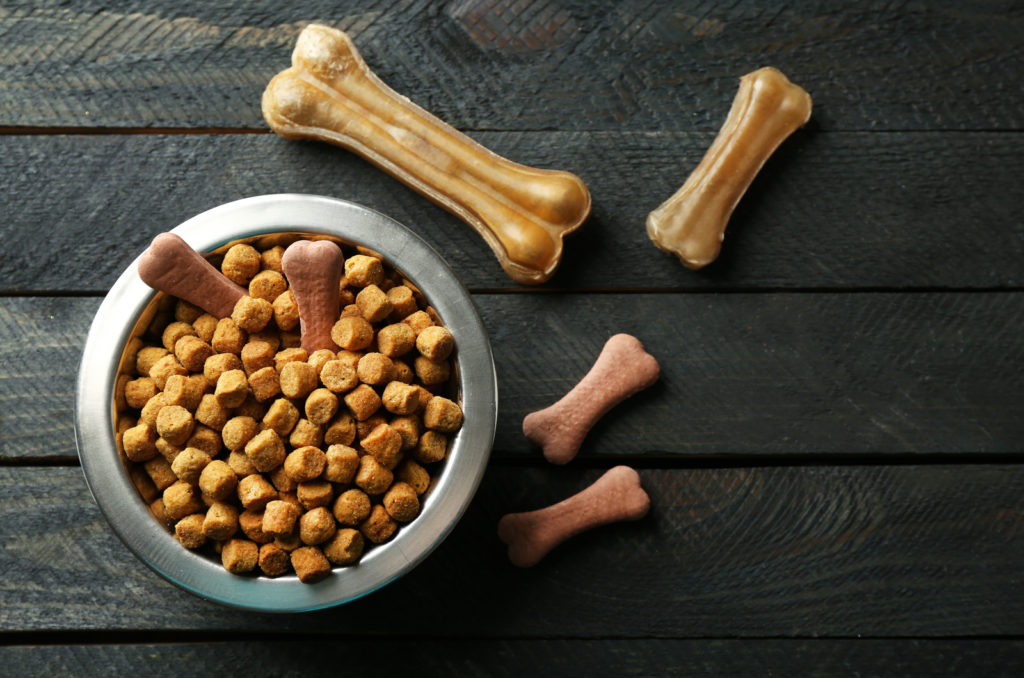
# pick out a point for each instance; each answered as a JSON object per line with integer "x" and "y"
{"x": 275, "y": 458}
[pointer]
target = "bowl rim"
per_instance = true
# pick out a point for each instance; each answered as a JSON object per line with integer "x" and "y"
{"x": 128, "y": 514}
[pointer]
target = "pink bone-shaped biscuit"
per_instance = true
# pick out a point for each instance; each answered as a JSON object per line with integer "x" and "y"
{"x": 170, "y": 265}
{"x": 623, "y": 369}
{"x": 614, "y": 497}
{"x": 314, "y": 270}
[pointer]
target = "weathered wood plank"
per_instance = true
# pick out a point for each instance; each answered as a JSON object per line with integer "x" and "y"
{"x": 831, "y": 210}
{"x": 516, "y": 658}
{"x": 482, "y": 65}
{"x": 777, "y": 552}
{"x": 868, "y": 374}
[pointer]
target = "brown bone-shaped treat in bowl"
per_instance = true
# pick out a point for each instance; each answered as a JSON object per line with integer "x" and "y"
{"x": 521, "y": 212}
{"x": 172, "y": 266}
{"x": 314, "y": 270}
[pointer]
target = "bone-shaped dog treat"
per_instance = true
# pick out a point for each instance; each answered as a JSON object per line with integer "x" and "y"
{"x": 330, "y": 94}
{"x": 314, "y": 270}
{"x": 614, "y": 497}
{"x": 623, "y": 369}
{"x": 691, "y": 224}
{"x": 171, "y": 266}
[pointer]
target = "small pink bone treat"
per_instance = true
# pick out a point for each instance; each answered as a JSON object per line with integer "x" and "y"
{"x": 171, "y": 266}
{"x": 616, "y": 496}
{"x": 314, "y": 270}
{"x": 622, "y": 369}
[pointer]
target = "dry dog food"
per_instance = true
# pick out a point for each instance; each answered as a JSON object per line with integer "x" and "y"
{"x": 284, "y": 451}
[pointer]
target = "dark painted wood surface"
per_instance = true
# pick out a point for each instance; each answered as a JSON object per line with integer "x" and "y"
{"x": 832, "y": 451}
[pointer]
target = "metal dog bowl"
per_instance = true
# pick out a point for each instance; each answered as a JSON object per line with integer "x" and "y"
{"x": 127, "y": 311}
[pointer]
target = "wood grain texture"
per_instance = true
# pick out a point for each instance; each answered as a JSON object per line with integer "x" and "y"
{"x": 481, "y": 65}
{"x": 868, "y": 375}
{"x": 777, "y": 552}
{"x": 516, "y": 658}
{"x": 829, "y": 211}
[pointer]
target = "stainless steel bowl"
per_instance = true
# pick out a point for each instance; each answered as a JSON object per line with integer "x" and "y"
{"x": 126, "y": 312}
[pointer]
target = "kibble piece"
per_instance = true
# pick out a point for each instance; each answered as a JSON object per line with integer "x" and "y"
{"x": 341, "y": 430}
{"x": 137, "y": 392}
{"x": 432, "y": 447}
{"x": 319, "y": 358}
{"x": 228, "y": 337}
{"x": 139, "y": 442}
{"x": 364, "y": 427}
{"x": 350, "y": 358}
{"x": 219, "y": 363}
{"x": 316, "y": 526}
{"x": 351, "y": 310}
{"x": 183, "y": 391}
{"x": 264, "y": 383}
{"x": 239, "y": 556}
{"x": 402, "y": 372}
{"x": 396, "y": 340}
{"x": 372, "y": 477}
{"x": 206, "y": 439}
{"x": 147, "y": 490}
{"x": 192, "y": 352}
{"x": 175, "y": 331}
{"x": 282, "y": 481}
{"x": 273, "y": 561}
{"x": 217, "y": 480}
{"x": 186, "y": 312}
{"x": 270, "y": 259}
{"x": 373, "y": 303}
{"x": 156, "y": 508}
{"x": 363, "y": 401}
{"x": 374, "y": 369}
{"x": 429, "y": 372}
{"x": 180, "y": 500}
{"x": 241, "y": 263}
{"x": 189, "y": 464}
{"x": 279, "y": 518}
{"x": 403, "y": 301}
{"x": 338, "y": 377}
{"x": 442, "y": 415}
{"x": 352, "y": 333}
{"x": 254, "y": 492}
{"x": 379, "y": 527}
{"x": 290, "y": 355}
{"x": 238, "y": 431}
{"x": 418, "y": 321}
{"x": 241, "y": 464}
{"x": 298, "y": 379}
{"x": 205, "y": 325}
{"x": 232, "y": 388}
{"x": 257, "y": 355}
{"x": 409, "y": 427}
{"x": 147, "y": 357}
{"x": 174, "y": 424}
{"x": 401, "y": 502}
{"x": 281, "y": 417}
{"x": 167, "y": 450}
{"x": 251, "y": 524}
{"x": 286, "y": 311}
{"x": 362, "y": 270}
{"x": 351, "y": 507}
{"x": 268, "y": 335}
{"x": 399, "y": 398}
{"x": 345, "y": 547}
{"x": 305, "y": 464}
{"x": 321, "y": 406}
{"x": 289, "y": 542}
{"x": 342, "y": 464}
{"x": 385, "y": 444}
{"x": 314, "y": 493}
{"x": 306, "y": 434}
{"x": 309, "y": 564}
{"x": 213, "y": 410}
{"x": 413, "y": 475}
{"x": 164, "y": 368}
{"x": 221, "y": 521}
{"x": 189, "y": 531}
{"x": 267, "y": 285}
{"x": 252, "y": 315}
{"x": 435, "y": 343}
{"x": 160, "y": 473}
{"x": 265, "y": 450}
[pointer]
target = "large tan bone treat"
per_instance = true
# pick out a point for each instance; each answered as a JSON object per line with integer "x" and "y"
{"x": 314, "y": 270}
{"x": 171, "y": 266}
{"x": 614, "y": 497}
{"x": 691, "y": 224}
{"x": 623, "y": 369}
{"x": 330, "y": 94}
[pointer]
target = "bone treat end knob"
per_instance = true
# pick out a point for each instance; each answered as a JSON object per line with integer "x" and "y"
{"x": 170, "y": 265}
{"x": 691, "y": 224}
{"x": 615, "y": 496}
{"x": 330, "y": 94}
{"x": 314, "y": 269}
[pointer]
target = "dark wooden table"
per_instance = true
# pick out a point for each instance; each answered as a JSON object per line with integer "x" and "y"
{"x": 832, "y": 451}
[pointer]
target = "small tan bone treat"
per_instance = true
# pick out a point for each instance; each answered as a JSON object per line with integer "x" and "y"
{"x": 314, "y": 271}
{"x": 691, "y": 224}
{"x": 330, "y": 94}
{"x": 614, "y": 497}
{"x": 623, "y": 369}
{"x": 171, "y": 266}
